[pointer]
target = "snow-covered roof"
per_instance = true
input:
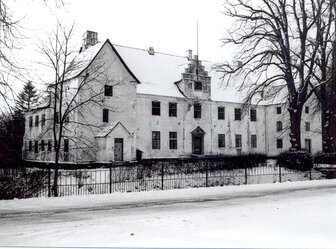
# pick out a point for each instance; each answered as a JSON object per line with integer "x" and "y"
{"x": 158, "y": 72}
{"x": 109, "y": 127}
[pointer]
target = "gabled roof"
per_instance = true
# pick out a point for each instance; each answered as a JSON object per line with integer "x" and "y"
{"x": 109, "y": 128}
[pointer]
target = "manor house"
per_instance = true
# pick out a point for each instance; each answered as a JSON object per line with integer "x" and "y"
{"x": 139, "y": 102}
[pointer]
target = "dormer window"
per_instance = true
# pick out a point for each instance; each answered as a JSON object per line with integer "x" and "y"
{"x": 198, "y": 86}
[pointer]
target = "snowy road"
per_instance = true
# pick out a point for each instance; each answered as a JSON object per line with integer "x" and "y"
{"x": 297, "y": 214}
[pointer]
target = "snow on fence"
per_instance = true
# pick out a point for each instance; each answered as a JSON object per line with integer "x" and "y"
{"x": 162, "y": 176}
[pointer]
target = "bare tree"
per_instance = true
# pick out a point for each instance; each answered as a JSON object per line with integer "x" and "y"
{"x": 279, "y": 43}
{"x": 78, "y": 88}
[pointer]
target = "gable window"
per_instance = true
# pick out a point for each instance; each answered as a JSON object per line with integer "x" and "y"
{"x": 31, "y": 121}
{"x": 254, "y": 141}
{"x": 36, "y": 120}
{"x": 198, "y": 85}
{"x": 307, "y": 109}
{"x": 173, "y": 140}
{"x": 237, "y": 114}
{"x": 42, "y": 145}
{"x": 253, "y": 115}
{"x": 172, "y": 109}
{"x": 221, "y": 140}
{"x": 278, "y": 109}
{"x": 108, "y": 90}
{"x": 279, "y": 143}
{"x": 197, "y": 110}
{"x": 43, "y": 120}
{"x": 49, "y": 145}
{"x": 156, "y": 108}
{"x": 155, "y": 140}
{"x": 105, "y": 115}
{"x": 36, "y": 147}
{"x": 279, "y": 126}
{"x": 238, "y": 141}
{"x": 307, "y": 126}
{"x": 221, "y": 113}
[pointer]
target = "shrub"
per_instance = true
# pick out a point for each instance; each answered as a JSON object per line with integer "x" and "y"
{"x": 327, "y": 158}
{"x": 299, "y": 160}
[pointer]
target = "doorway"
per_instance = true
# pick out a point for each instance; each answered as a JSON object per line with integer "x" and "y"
{"x": 197, "y": 137}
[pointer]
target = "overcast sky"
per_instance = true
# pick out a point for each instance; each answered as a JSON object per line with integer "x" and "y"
{"x": 168, "y": 26}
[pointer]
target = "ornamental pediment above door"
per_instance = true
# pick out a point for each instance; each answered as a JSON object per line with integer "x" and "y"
{"x": 198, "y": 131}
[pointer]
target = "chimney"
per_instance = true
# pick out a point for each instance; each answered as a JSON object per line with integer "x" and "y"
{"x": 189, "y": 56}
{"x": 90, "y": 38}
{"x": 151, "y": 51}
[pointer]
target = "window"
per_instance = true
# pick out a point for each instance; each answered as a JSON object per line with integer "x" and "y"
{"x": 172, "y": 109}
{"x": 49, "y": 145}
{"x": 221, "y": 140}
{"x": 253, "y": 115}
{"x": 237, "y": 114}
{"x": 30, "y": 148}
{"x": 43, "y": 120}
{"x": 279, "y": 126}
{"x": 198, "y": 85}
{"x": 278, "y": 110}
{"x": 254, "y": 141}
{"x": 155, "y": 140}
{"x": 221, "y": 113}
{"x": 197, "y": 110}
{"x": 108, "y": 91}
{"x": 36, "y": 120}
{"x": 105, "y": 115}
{"x": 30, "y": 121}
{"x": 307, "y": 126}
{"x": 308, "y": 145}
{"x": 238, "y": 141}
{"x": 307, "y": 109}
{"x": 57, "y": 117}
{"x": 36, "y": 147}
{"x": 42, "y": 145}
{"x": 279, "y": 143}
{"x": 173, "y": 140}
{"x": 156, "y": 108}
{"x": 66, "y": 145}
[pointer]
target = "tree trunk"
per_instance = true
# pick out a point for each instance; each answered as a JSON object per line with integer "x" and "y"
{"x": 56, "y": 173}
{"x": 295, "y": 113}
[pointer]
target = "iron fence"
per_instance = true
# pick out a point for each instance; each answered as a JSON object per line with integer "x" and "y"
{"x": 135, "y": 178}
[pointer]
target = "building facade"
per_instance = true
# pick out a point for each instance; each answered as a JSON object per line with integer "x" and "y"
{"x": 157, "y": 105}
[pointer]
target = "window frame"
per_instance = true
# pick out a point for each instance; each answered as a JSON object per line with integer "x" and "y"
{"x": 307, "y": 109}
{"x": 42, "y": 144}
{"x": 156, "y": 110}
{"x": 36, "y": 150}
{"x": 198, "y": 85}
{"x": 221, "y": 140}
{"x": 237, "y": 114}
{"x": 279, "y": 143}
{"x": 307, "y": 126}
{"x": 197, "y": 111}
{"x": 221, "y": 113}
{"x": 105, "y": 115}
{"x": 172, "y": 109}
{"x": 49, "y": 146}
{"x": 279, "y": 126}
{"x": 156, "y": 140}
{"x": 37, "y": 120}
{"x": 254, "y": 141}
{"x": 173, "y": 140}
{"x": 278, "y": 110}
{"x": 253, "y": 115}
{"x": 238, "y": 141}
{"x": 30, "y": 122}
{"x": 108, "y": 90}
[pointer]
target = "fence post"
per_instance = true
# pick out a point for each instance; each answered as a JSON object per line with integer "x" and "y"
{"x": 206, "y": 174}
{"x": 245, "y": 175}
{"x": 110, "y": 179}
{"x": 49, "y": 183}
{"x": 310, "y": 174}
{"x": 279, "y": 173}
{"x": 162, "y": 172}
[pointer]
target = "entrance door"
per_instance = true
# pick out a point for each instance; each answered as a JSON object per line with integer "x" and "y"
{"x": 118, "y": 149}
{"x": 197, "y": 144}
{"x": 308, "y": 145}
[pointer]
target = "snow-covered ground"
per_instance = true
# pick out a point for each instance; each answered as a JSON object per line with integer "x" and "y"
{"x": 291, "y": 214}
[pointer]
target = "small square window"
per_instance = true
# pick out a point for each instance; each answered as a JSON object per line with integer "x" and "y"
{"x": 198, "y": 85}
{"x": 221, "y": 113}
{"x": 173, "y": 140}
{"x": 279, "y": 143}
{"x": 237, "y": 114}
{"x": 278, "y": 110}
{"x": 253, "y": 115}
{"x": 156, "y": 108}
{"x": 307, "y": 109}
{"x": 221, "y": 140}
{"x": 172, "y": 109}
{"x": 108, "y": 91}
{"x": 238, "y": 141}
